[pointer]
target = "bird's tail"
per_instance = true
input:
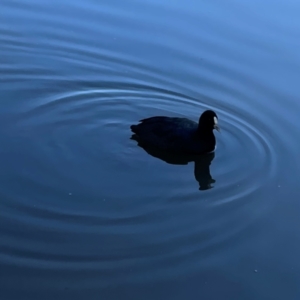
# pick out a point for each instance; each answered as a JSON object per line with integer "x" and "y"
{"x": 133, "y": 128}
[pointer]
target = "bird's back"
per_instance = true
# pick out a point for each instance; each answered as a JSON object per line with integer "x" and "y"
{"x": 169, "y": 134}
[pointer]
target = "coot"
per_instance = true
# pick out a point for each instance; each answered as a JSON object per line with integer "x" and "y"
{"x": 178, "y": 135}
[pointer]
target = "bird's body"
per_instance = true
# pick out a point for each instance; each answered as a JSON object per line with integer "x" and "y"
{"x": 178, "y": 135}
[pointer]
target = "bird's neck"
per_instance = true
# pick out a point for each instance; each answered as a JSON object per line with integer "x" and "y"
{"x": 204, "y": 132}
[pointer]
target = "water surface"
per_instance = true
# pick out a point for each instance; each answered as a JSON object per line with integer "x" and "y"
{"x": 87, "y": 214}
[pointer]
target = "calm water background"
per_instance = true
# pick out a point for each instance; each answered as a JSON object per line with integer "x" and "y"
{"x": 87, "y": 214}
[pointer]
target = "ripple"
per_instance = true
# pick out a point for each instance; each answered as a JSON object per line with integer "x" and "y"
{"x": 74, "y": 124}
{"x": 247, "y": 154}
{"x": 68, "y": 188}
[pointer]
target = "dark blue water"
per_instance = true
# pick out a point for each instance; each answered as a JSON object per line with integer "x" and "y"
{"x": 87, "y": 214}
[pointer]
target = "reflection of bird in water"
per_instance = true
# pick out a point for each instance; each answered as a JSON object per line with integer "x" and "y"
{"x": 202, "y": 171}
{"x": 201, "y": 163}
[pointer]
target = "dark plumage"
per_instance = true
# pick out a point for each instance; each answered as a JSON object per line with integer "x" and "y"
{"x": 178, "y": 135}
